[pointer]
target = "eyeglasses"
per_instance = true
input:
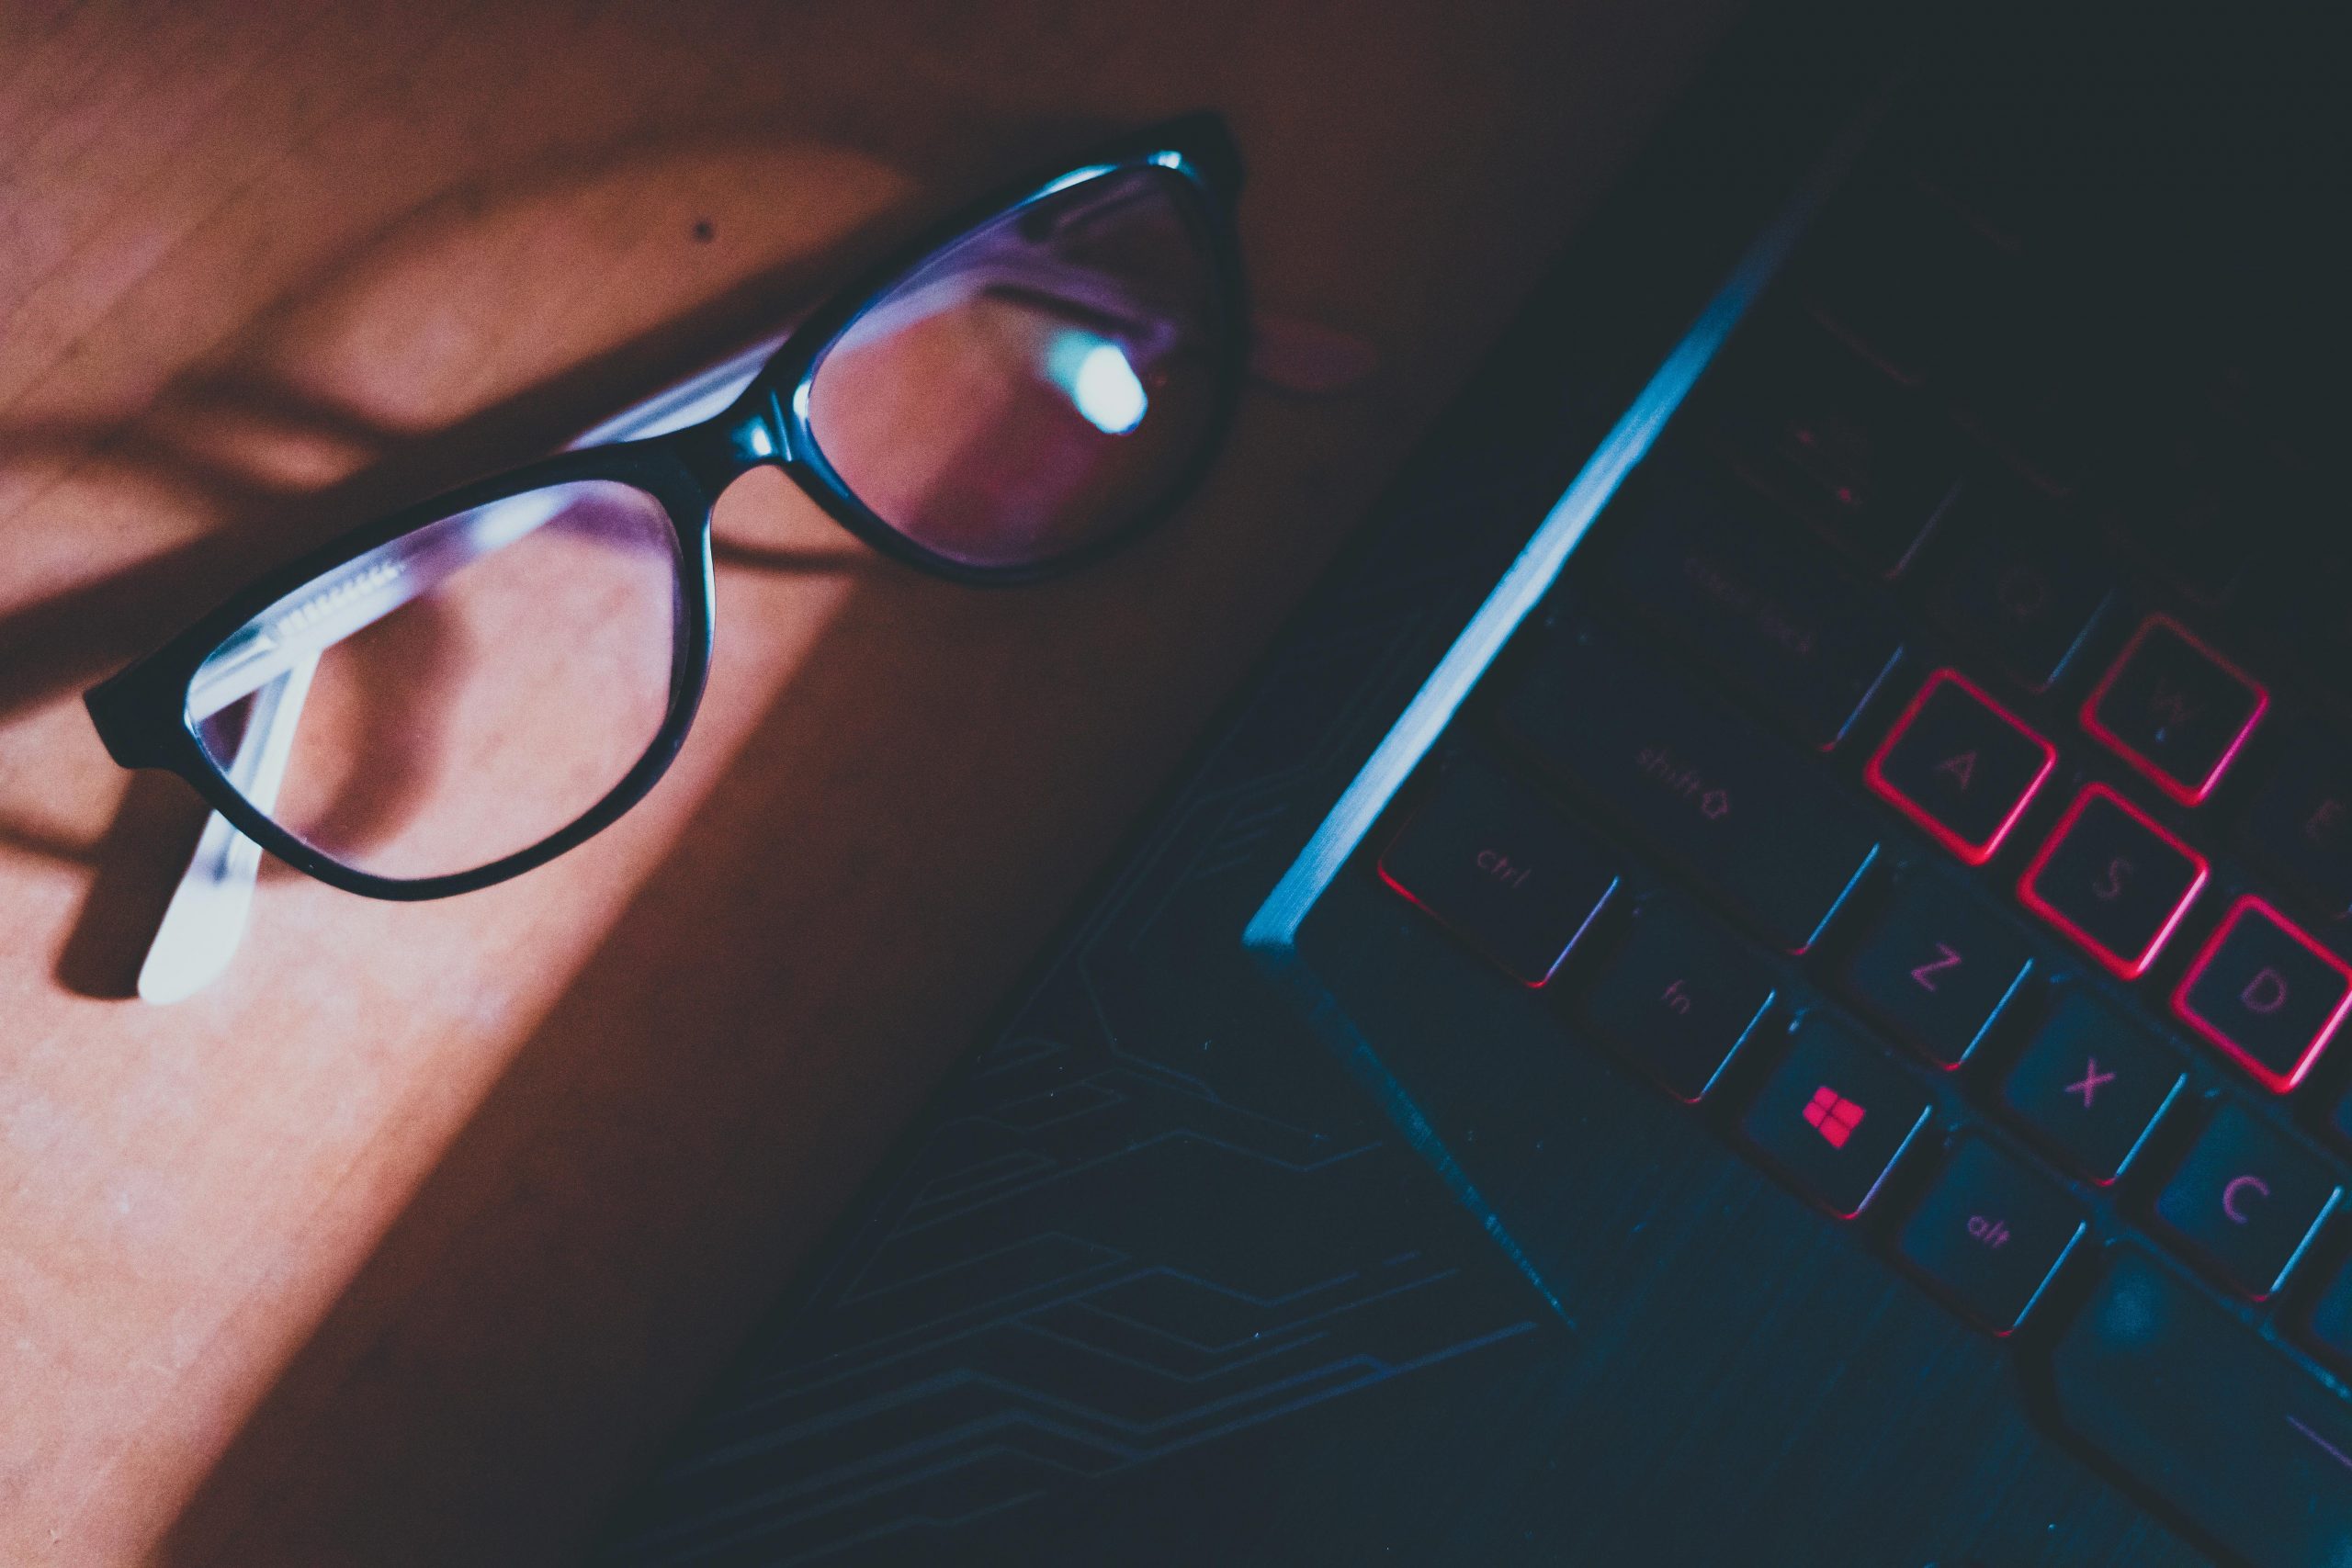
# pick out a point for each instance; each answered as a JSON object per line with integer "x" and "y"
{"x": 458, "y": 692}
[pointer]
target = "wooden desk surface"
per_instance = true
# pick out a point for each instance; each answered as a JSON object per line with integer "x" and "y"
{"x": 407, "y": 1242}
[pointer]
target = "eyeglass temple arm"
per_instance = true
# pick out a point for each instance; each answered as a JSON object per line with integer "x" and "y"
{"x": 367, "y": 589}
{"x": 207, "y": 915}
{"x": 206, "y": 919}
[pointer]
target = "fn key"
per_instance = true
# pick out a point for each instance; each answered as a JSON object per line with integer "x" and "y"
{"x": 1501, "y": 869}
{"x": 1678, "y": 999}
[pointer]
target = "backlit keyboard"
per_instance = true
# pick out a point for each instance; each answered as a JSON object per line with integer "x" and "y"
{"x": 1935, "y": 769}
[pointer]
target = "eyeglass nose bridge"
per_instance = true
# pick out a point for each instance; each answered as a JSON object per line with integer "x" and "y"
{"x": 751, "y": 433}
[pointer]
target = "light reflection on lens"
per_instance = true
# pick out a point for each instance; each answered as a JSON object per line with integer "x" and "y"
{"x": 1101, "y": 385}
{"x": 1040, "y": 383}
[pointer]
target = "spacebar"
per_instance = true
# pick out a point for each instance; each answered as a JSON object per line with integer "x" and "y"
{"x": 2192, "y": 1403}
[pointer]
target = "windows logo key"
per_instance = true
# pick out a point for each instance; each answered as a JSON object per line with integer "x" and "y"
{"x": 1833, "y": 1115}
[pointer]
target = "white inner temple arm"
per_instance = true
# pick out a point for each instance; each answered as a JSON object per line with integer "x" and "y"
{"x": 275, "y": 661}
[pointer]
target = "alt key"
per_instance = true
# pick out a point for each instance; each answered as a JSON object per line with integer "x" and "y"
{"x": 1990, "y": 1234}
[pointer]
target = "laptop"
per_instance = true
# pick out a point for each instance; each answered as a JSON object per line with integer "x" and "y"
{"x": 1761, "y": 978}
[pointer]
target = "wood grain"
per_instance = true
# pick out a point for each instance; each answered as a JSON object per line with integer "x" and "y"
{"x": 408, "y": 1241}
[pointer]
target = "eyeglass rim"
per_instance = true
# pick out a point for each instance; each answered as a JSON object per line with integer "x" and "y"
{"x": 1196, "y": 147}
{"x": 141, "y": 712}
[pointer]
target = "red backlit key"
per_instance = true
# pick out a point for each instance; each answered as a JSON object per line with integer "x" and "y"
{"x": 1501, "y": 869}
{"x": 2175, "y": 709}
{"x": 1835, "y": 1116}
{"x": 1961, "y": 765}
{"x": 2265, "y": 994}
{"x": 2113, "y": 880}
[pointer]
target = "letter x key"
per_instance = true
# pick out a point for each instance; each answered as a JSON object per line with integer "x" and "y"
{"x": 2091, "y": 1080}
{"x": 2091, "y": 1084}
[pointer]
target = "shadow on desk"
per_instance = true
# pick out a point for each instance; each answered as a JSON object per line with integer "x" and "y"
{"x": 259, "y": 442}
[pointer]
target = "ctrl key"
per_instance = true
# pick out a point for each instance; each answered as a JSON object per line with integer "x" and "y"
{"x": 2209, "y": 1416}
{"x": 1501, "y": 869}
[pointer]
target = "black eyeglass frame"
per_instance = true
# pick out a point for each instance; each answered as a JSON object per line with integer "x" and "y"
{"x": 140, "y": 713}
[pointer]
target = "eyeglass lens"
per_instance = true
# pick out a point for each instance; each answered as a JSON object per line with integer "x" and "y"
{"x": 457, "y": 695}
{"x": 468, "y": 690}
{"x": 1036, "y": 385}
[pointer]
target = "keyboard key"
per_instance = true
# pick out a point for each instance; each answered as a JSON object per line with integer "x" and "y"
{"x": 1708, "y": 563}
{"x": 1937, "y": 967}
{"x": 1990, "y": 1234}
{"x": 1678, "y": 999}
{"x": 1835, "y": 1116}
{"x": 2266, "y": 993}
{"x": 1906, "y": 280}
{"x": 2113, "y": 880}
{"x": 2198, "y": 1408}
{"x": 2090, "y": 1085}
{"x": 1961, "y": 765}
{"x": 2328, "y": 1326}
{"x": 1501, "y": 869}
{"x": 1841, "y": 447}
{"x": 2019, "y": 580}
{"x": 2199, "y": 500}
{"x": 2174, "y": 710}
{"x": 2300, "y": 822}
{"x": 1977, "y": 167}
{"x": 2310, "y": 604}
{"x": 2033, "y": 396}
{"x": 2247, "y": 1201}
{"x": 2188, "y": 537}
{"x": 1758, "y": 826}
{"x": 2339, "y": 1119}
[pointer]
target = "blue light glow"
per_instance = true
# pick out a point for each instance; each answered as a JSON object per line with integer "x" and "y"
{"x": 1272, "y": 932}
{"x": 1076, "y": 176}
{"x": 1101, "y": 383}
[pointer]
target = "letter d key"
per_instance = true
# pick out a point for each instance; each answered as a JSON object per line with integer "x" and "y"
{"x": 2266, "y": 993}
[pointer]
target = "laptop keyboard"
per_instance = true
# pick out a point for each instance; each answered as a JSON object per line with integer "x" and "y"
{"x": 1934, "y": 769}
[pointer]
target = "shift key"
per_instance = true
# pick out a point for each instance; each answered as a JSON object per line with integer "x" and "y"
{"x": 1751, "y": 818}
